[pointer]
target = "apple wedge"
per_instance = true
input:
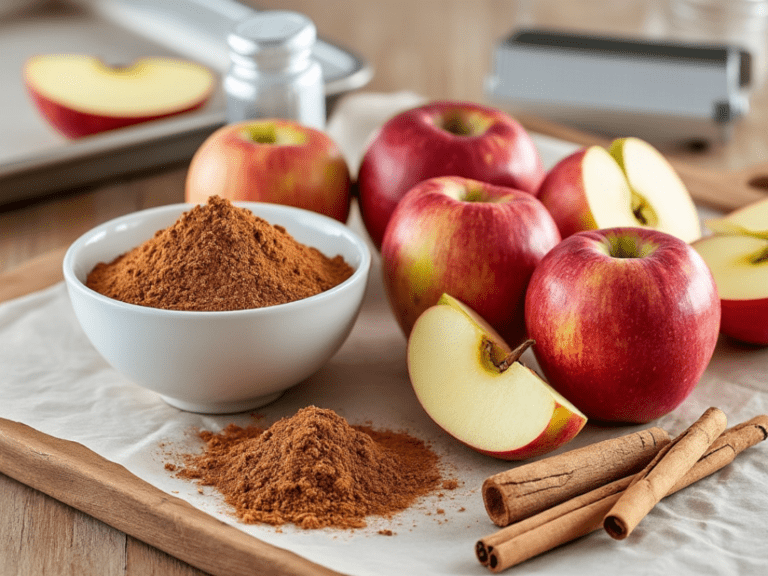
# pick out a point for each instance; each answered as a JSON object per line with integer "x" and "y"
{"x": 80, "y": 95}
{"x": 752, "y": 220}
{"x": 739, "y": 264}
{"x": 631, "y": 184}
{"x": 470, "y": 383}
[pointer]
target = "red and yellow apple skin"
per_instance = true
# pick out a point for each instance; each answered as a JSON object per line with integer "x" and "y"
{"x": 625, "y": 321}
{"x": 272, "y": 160}
{"x": 564, "y": 427}
{"x": 444, "y": 138}
{"x": 82, "y": 101}
{"x": 562, "y": 193}
{"x": 476, "y": 241}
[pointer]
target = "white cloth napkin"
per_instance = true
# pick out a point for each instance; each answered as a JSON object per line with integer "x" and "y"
{"x": 51, "y": 378}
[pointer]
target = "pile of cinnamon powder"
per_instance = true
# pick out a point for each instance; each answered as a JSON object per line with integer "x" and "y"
{"x": 218, "y": 257}
{"x": 314, "y": 470}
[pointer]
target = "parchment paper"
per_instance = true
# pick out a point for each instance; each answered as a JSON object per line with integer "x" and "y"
{"x": 51, "y": 378}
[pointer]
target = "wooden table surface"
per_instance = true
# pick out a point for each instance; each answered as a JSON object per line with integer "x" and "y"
{"x": 438, "y": 48}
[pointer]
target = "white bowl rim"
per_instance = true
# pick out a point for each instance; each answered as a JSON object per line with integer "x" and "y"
{"x": 359, "y": 275}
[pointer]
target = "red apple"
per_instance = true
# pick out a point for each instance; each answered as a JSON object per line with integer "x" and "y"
{"x": 443, "y": 139}
{"x": 473, "y": 240}
{"x": 470, "y": 383}
{"x": 272, "y": 160}
{"x": 625, "y": 321}
{"x": 630, "y": 184}
{"x": 80, "y": 95}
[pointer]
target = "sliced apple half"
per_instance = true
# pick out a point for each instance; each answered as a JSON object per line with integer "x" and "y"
{"x": 631, "y": 184}
{"x": 470, "y": 383}
{"x": 739, "y": 264}
{"x": 752, "y": 220}
{"x": 81, "y": 95}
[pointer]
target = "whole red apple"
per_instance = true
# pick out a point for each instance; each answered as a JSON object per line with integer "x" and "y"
{"x": 443, "y": 138}
{"x": 473, "y": 240}
{"x": 272, "y": 160}
{"x": 625, "y": 321}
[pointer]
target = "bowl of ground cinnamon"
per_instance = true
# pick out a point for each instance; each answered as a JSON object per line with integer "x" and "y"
{"x": 218, "y": 307}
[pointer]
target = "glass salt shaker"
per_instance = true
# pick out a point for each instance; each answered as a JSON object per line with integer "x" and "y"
{"x": 272, "y": 72}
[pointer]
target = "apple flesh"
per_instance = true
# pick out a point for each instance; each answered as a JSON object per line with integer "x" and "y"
{"x": 631, "y": 184}
{"x": 79, "y": 95}
{"x": 473, "y": 240}
{"x": 625, "y": 321}
{"x": 272, "y": 160}
{"x": 739, "y": 264}
{"x": 468, "y": 381}
{"x": 445, "y": 138}
{"x": 751, "y": 220}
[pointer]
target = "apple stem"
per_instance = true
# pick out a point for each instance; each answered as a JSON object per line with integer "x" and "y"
{"x": 515, "y": 355}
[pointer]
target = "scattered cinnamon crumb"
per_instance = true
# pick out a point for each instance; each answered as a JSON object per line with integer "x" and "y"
{"x": 386, "y": 532}
{"x": 450, "y": 484}
{"x": 170, "y": 467}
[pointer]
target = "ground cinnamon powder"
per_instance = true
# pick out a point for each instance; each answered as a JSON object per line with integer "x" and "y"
{"x": 218, "y": 257}
{"x": 314, "y": 470}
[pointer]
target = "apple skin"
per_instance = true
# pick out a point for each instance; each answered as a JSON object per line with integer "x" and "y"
{"x": 293, "y": 165}
{"x": 626, "y": 339}
{"x": 562, "y": 193}
{"x": 416, "y": 145}
{"x": 745, "y": 320}
{"x": 73, "y": 122}
{"x": 482, "y": 252}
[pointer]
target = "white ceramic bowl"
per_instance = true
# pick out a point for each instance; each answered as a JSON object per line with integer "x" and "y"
{"x": 217, "y": 362}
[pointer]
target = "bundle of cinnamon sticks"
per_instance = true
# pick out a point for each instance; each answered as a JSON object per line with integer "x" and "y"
{"x": 611, "y": 485}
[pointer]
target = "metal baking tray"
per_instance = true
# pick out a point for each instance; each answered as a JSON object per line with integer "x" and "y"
{"x": 36, "y": 161}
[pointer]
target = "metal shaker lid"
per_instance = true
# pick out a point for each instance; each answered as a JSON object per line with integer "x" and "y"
{"x": 273, "y": 32}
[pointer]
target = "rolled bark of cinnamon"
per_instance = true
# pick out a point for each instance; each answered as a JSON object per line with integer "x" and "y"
{"x": 584, "y": 514}
{"x": 529, "y": 489}
{"x": 667, "y": 468}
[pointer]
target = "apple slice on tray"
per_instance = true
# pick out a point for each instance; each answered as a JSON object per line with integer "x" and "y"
{"x": 80, "y": 95}
{"x": 630, "y": 184}
{"x": 470, "y": 382}
{"x": 739, "y": 264}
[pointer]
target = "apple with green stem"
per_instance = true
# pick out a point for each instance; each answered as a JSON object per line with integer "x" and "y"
{"x": 630, "y": 184}
{"x": 625, "y": 321}
{"x": 272, "y": 160}
{"x": 472, "y": 385}
{"x": 80, "y": 95}
{"x": 444, "y": 138}
{"x": 476, "y": 241}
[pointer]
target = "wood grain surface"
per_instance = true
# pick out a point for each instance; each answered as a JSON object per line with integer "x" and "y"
{"x": 438, "y": 48}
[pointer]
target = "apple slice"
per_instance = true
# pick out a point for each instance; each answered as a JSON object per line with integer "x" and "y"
{"x": 739, "y": 264}
{"x": 470, "y": 383}
{"x": 632, "y": 184}
{"x": 752, "y": 220}
{"x": 80, "y": 95}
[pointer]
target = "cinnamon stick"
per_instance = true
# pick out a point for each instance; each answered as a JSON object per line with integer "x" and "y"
{"x": 658, "y": 478}
{"x": 529, "y": 489}
{"x": 584, "y": 514}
